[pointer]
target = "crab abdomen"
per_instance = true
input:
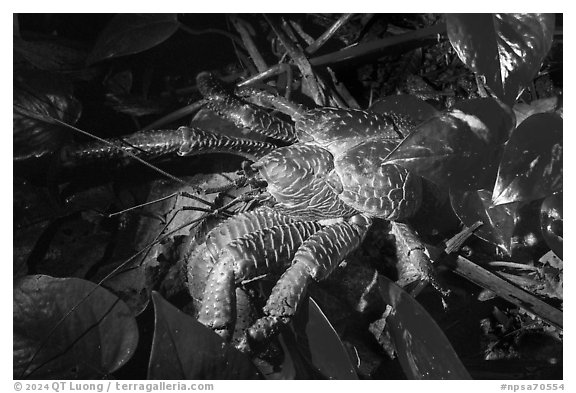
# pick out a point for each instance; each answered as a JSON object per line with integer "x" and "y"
{"x": 376, "y": 188}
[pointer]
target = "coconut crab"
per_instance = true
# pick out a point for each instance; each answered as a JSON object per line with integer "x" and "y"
{"x": 325, "y": 189}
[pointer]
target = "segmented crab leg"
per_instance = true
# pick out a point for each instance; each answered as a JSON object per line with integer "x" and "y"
{"x": 315, "y": 260}
{"x": 267, "y": 251}
{"x": 241, "y": 112}
{"x": 201, "y": 261}
{"x": 158, "y": 144}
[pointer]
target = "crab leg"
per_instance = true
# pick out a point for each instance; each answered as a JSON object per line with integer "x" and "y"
{"x": 241, "y": 112}
{"x": 263, "y": 252}
{"x": 156, "y": 144}
{"x": 150, "y": 146}
{"x": 315, "y": 260}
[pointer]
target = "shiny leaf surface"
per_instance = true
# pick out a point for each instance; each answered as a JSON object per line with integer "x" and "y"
{"x": 423, "y": 349}
{"x": 508, "y": 49}
{"x": 523, "y": 111}
{"x": 39, "y": 97}
{"x": 498, "y": 221}
{"x": 127, "y": 34}
{"x": 452, "y": 149}
{"x": 531, "y": 167}
{"x": 326, "y": 350}
{"x": 183, "y": 348}
{"x": 96, "y": 337}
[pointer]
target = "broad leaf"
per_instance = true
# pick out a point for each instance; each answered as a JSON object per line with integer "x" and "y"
{"x": 531, "y": 167}
{"x": 452, "y": 149}
{"x": 523, "y": 111}
{"x": 33, "y": 211}
{"x": 39, "y": 97}
{"x": 497, "y": 117}
{"x": 50, "y": 55}
{"x": 423, "y": 349}
{"x": 127, "y": 34}
{"x": 68, "y": 328}
{"x": 508, "y": 49}
{"x": 327, "y": 352}
{"x": 405, "y": 105}
{"x": 498, "y": 221}
{"x": 183, "y": 348}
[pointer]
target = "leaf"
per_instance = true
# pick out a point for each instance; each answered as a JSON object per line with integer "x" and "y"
{"x": 531, "y": 167}
{"x": 32, "y": 211}
{"x": 451, "y": 148}
{"x": 50, "y": 55}
{"x": 497, "y": 117}
{"x": 522, "y": 111}
{"x": 39, "y": 97}
{"x": 327, "y": 353}
{"x": 183, "y": 348}
{"x": 551, "y": 221}
{"x": 499, "y": 221}
{"x": 405, "y": 105}
{"x": 94, "y": 339}
{"x": 127, "y": 34}
{"x": 508, "y": 49}
{"x": 423, "y": 350}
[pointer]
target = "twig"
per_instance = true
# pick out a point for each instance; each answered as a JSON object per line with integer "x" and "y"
{"x": 176, "y": 115}
{"x": 242, "y": 28}
{"x": 413, "y": 39}
{"x": 300, "y": 59}
{"x": 506, "y": 290}
{"x": 211, "y": 31}
{"x": 513, "y": 265}
{"x": 343, "y": 91}
{"x": 457, "y": 240}
{"x": 328, "y": 34}
{"x": 305, "y": 36}
{"x": 270, "y": 72}
{"x": 334, "y": 98}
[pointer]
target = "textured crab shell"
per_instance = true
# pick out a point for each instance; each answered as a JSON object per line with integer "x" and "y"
{"x": 240, "y": 225}
{"x": 337, "y": 130}
{"x": 240, "y": 112}
{"x": 297, "y": 179}
{"x": 373, "y": 187}
{"x": 359, "y": 141}
{"x": 268, "y": 250}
